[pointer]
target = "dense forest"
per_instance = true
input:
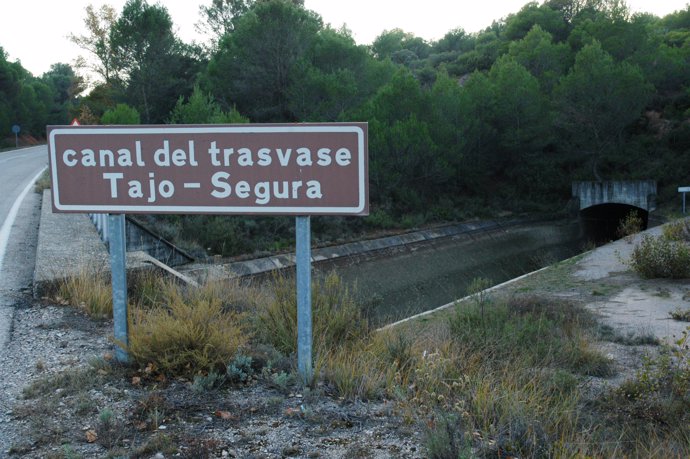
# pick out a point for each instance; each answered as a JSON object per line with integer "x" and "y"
{"x": 474, "y": 124}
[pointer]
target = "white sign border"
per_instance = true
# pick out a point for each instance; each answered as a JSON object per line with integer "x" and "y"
{"x": 226, "y": 210}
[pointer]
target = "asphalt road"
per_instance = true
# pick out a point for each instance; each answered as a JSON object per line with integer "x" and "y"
{"x": 19, "y": 216}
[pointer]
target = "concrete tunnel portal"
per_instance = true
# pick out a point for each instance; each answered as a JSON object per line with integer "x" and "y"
{"x": 600, "y": 223}
{"x": 604, "y": 205}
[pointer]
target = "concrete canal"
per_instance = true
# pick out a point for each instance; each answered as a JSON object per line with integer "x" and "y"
{"x": 398, "y": 282}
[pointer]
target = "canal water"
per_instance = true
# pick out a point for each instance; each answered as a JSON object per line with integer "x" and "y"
{"x": 400, "y": 282}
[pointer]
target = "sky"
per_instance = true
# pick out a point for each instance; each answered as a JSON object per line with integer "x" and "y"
{"x": 35, "y": 31}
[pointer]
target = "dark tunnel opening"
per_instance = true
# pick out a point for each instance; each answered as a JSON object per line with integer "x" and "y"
{"x": 600, "y": 223}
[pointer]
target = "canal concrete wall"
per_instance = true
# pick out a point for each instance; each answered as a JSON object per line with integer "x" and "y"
{"x": 258, "y": 266}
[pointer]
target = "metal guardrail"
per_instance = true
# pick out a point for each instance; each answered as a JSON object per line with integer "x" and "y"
{"x": 101, "y": 223}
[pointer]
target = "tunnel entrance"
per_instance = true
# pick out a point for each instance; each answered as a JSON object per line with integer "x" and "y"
{"x": 600, "y": 223}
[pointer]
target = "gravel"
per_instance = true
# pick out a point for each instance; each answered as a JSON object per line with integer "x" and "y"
{"x": 148, "y": 417}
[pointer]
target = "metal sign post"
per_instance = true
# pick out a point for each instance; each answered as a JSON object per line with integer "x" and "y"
{"x": 304, "y": 323}
{"x": 683, "y": 189}
{"x": 118, "y": 262}
{"x": 16, "y": 129}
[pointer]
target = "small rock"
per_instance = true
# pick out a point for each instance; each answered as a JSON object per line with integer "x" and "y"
{"x": 291, "y": 451}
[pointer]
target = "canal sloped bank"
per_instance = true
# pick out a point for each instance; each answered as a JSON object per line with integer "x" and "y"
{"x": 397, "y": 283}
{"x": 398, "y": 276}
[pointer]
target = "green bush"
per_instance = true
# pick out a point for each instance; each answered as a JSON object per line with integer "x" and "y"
{"x": 659, "y": 257}
{"x": 121, "y": 114}
{"x": 532, "y": 329}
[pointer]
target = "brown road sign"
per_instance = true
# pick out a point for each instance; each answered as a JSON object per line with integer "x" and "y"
{"x": 285, "y": 169}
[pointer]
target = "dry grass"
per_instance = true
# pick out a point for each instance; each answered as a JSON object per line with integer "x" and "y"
{"x": 90, "y": 291}
{"x": 44, "y": 182}
{"x": 187, "y": 333}
{"x": 337, "y": 318}
{"x": 495, "y": 377}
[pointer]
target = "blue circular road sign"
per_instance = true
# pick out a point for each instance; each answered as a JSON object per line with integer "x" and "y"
{"x": 16, "y": 129}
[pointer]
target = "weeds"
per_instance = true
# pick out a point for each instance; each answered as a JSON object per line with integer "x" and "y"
{"x": 90, "y": 291}
{"x": 629, "y": 226}
{"x": 682, "y": 315}
{"x": 337, "y": 318}
{"x": 678, "y": 230}
{"x": 530, "y": 329}
{"x": 446, "y": 438}
{"x": 44, "y": 182}
{"x": 658, "y": 257}
{"x": 608, "y": 333}
{"x": 654, "y": 405}
{"x": 189, "y": 334}
{"x": 505, "y": 383}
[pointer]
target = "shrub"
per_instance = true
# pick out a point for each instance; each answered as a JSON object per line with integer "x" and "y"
{"x": 188, "y": 335}
{"x": 659, "y": 395}
{"x": 356, "y": 370}
{"x": 206, "y": 383}
{"x": 336, "y": 317}
{"x": 121, "y": 114}
{"x": 659, "y": 257}
{"x": 630, "y": 225}
{"x": 678, "y": 230}
{"x": 240, "y": 369}
{"x": 680, "y": 314}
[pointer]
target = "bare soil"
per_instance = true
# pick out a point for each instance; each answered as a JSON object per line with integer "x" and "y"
{"x": 61, "y": 398}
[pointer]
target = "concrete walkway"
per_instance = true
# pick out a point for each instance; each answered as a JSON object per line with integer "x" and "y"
{"x": 643, "y": 306}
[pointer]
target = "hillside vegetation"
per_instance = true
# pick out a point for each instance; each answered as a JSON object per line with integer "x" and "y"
{"x": 470, "y": 125}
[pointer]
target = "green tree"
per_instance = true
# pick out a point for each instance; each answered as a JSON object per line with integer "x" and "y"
{"x": 153, "y": 66}
{"x": 200, "y": 108}
{"x": 520, "y": 110}
{"x": 99, "y": 24}
{"x": 66, "y": 87}
{"x": 336, "y": 77}
{"x": 544, "y": 59}
{"x": 596, "y": 101}
{"x": 219, "y": 17}
{"x": 257, "y": 65}
{"x": 488, "y": 47}
{"x": 449, "y": 48}
{"x": 446, "y": 125}
{"x": 406, "y": 170}
{"x": 121, "y": 114}
{"x": 477, "y": 102}
{"x": 10, "y": 87}
{"x": 532, "y": 14}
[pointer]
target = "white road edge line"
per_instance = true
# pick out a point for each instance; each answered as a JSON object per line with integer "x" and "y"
{"x": 12, "y": 215}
